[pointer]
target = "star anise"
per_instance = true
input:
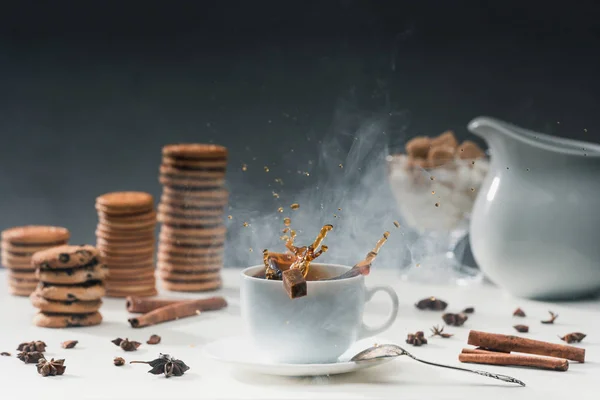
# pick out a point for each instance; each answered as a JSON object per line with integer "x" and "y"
{"x": 51, "y": 368}
{"x": 437, "y": 331}
{"x": 154, "y": 339}
{"x": 126, "y": 344}
{"x": 36, "y": 345}
{"x": 431, "y": 303}
{"x": 165, "y": 364}
{"x": 469, "y": 310}
{"x": 519, "y": 313}
{"x": 30, "y": 357}
{"x": 69, "y": 344}
{"x": 416, "y": 339}
{"x": 552, "y": 318}
{"x": 454, "y": 319}
{"x": 574, "y": 337}
{"x": 521, "y": 328}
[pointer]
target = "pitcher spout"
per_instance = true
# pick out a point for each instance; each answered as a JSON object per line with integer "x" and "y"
{"x": 498, "y": 133}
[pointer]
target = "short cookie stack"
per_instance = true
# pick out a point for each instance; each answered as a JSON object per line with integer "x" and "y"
{"x": 191, "y": 210}
{"x": 125, "y": 237}
{"x": 71, "y": 286}
{"x": 18, "y": 246}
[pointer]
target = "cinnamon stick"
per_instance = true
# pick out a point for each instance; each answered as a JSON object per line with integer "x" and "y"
{"x": 177, "y": 310}
{"x": 510, "y": 343}
{"x": 480, "y": 350}
{"x": 494, "y": 358}
{"x": 143, "y": 304}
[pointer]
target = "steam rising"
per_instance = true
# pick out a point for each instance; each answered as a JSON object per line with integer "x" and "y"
{"x": 350, "y": 191}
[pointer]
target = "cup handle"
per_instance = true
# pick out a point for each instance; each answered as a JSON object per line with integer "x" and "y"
{"x": 366, "y": 331}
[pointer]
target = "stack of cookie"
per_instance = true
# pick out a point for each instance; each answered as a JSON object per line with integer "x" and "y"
{"x": 18, "y": 246}
{"x": 71, "y": 286}
{"x": 191, "y": 210}
{"x": 125, "y": 237}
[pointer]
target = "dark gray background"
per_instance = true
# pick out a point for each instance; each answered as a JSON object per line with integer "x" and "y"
{"x": 88, "y": 95}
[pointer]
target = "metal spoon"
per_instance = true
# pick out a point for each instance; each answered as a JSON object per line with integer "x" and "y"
{"x": 392, "y": 350}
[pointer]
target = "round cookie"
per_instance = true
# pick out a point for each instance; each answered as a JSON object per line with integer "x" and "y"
{"x": 194, "y": 151}
{"x": 25, "y": 250}
{"x": 187, "y": 267}
{"x": 102, "y": 243}
{"x": 25, "y": 274}
{"x": 207, "y": 164}
{"x": 174, "y": 181}
{"x": 115, "y": 225}
{"x": 124, "y": 236}
{"x": 124, "y": 202}
{"x": 64, "y": 307}
{"x": 36, "y": 234}
{"x": 189, "y": 275}
{"x": 56, "y": 320}
{"x": 19, "y": 291}
{"x": 126, "y": 274}
{"x": 190, "y": 220}
{"x": 214, "y": 241}
{"x": 176, "y": 251}
{"x": 200, "y": 234}
{"x": 167, "y": 209}
{"x": 167, "y": 171}
{"x": 194, "y": 202}
{"x": 131, "y": 251}
{"x": 128, "y": 262}
{"x": 207, "y": 193}
{"x": 142, "y": 293}
{"x": 191, "y": 286}
{"x": 137, "y": 217}
{"x": 126, "y": 286}
{"x": 66, "y": 256}
{"x": 17, "y": 259}
{"x": 17, "y": 266}
{"x": 83, "y": 292}
{"x": 216, "y": 259}
{"x": 73, "y": 275}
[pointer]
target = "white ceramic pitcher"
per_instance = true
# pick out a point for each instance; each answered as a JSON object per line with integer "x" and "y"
{"x": 535, "y": 224}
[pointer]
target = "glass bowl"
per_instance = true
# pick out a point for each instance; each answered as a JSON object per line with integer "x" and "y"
{"x": 436, "y": 204}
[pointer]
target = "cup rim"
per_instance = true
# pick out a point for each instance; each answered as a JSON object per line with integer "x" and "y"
{"x": 244, "y": 274}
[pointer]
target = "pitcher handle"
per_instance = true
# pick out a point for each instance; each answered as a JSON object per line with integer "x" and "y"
{"x": 365, "y": 330}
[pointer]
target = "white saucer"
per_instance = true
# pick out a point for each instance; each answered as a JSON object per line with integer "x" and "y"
{"x": 239, "y": 353}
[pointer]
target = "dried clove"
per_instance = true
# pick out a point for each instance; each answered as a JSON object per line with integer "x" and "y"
{"x": 521, "y": 328}
{"x": 518, "y": 313}
{"x": 69, "y": 344}
{"x": 416, "y": 339}
{"x": 437, "y": 331}
{"x": 126, "y": 344}
{"x": 36, "y": 345}
{"x": 468, "y": 310}
{"x": 154, "y": 339}
{"x": 5, "y": 353}
{"x": 118, "y": 361}
{"x": 51, "y": 368}
{"x": 573, "y": 337}
{"x": 30, "y": 357}
{"x": 431, "y": 303}
{"x": 165, "y": 364}
{"x": 552, "y": 318}
{"x": 454, "y": 319}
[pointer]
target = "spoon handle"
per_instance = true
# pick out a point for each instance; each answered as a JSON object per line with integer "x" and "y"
{"x": 501, "y": 377}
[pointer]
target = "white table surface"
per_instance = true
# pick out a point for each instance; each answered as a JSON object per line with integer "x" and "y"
{"x": 90, "y": 373}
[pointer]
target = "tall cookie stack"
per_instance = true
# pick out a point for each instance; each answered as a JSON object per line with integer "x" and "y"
{"x": 71, "y": 286}
{"x": 18, "y": 246}
{"x": 192, "y": 210}
{"x": 125, "y": 237}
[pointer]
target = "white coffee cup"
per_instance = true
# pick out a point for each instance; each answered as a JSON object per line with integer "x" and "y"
{"x": 316, "y": 328}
